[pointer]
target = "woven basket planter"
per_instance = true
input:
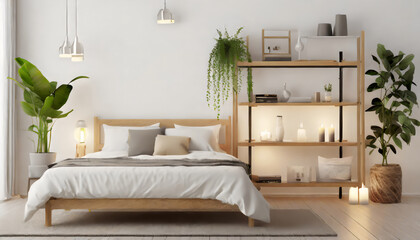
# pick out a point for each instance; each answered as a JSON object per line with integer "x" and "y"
{"x": 385, "y": 183}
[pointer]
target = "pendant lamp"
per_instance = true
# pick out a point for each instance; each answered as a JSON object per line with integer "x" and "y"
{"x": 77, "y": 52}
{"x": 165, "y": 16}
{"x": 65, "y": 49}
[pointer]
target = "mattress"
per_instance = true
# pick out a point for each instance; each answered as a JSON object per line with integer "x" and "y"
{"x": 228, "y": 184}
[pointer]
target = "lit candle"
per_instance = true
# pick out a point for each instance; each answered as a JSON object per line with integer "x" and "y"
{"x": 321, "y": 133}
{"x": 301, "y": 134}
{"x": 364, "y": 195}
{"x": 331, "y": 136}
{"x": 353, "y": 195}
{"x": 265, "y": 136}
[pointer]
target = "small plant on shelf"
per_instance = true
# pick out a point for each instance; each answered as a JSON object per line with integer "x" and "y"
{"x": 328, "y": 87}
{"x": 328, "y": 90}
{"x": 223, "y": 77}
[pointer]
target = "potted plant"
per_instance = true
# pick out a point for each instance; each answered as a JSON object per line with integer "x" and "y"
{"x": 394, "y": 82}
{"x": 42, "y": 101}
{"x": 328, "y": 90}
{"x": 222, "y": 75}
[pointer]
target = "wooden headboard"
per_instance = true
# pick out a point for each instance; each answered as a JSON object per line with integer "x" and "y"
{"x": 167, "y": 123}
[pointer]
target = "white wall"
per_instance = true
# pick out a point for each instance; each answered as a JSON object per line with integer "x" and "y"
{"x": 139, "y": 69}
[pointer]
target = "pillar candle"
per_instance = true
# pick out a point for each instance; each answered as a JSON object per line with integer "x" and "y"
{"x": 331, "y": 136}
{"x": 301, "y": 134}
{"x": 364, "y": 195}
{"x": 321, "y": 133}
{"x": 353, "y": 195}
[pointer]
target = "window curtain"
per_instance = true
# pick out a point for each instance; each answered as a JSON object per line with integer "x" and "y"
{"x": 7, "y": 96}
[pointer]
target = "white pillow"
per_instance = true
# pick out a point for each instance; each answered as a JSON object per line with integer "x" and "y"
{"x": 116, "y": 137}
{"x": 201, "y": 139}
{"x": 215, "y": 130}
{"x": 334, "y": 169}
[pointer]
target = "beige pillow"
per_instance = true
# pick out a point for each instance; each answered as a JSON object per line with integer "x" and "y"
{"x": 171, "y": 145}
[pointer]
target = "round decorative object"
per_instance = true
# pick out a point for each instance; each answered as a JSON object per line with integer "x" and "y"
{"x": 385, "y": 183}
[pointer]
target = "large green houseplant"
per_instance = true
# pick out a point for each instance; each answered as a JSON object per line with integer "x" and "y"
{"x": 223, "y": 77}
{"x": 394, "y": 81}
{"x": 42, "y": 101}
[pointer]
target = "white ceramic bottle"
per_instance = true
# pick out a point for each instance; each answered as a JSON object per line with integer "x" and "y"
{"x": 279, "y": 129}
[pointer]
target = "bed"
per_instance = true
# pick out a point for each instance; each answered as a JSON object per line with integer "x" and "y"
{"x": 214, "y": 188}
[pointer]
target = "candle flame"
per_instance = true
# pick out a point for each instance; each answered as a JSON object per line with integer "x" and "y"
{"x": 363, "y": 185}
{"x": 301, "y": 125}
{"x": 332, "y": 126}
{"x": 322, "y": 125}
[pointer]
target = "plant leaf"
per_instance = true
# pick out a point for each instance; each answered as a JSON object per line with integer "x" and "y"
{"x": 372, "y": 72}
{"x": 79, "y": 77}
{"x": 61, "y": 95}
{"x": 28, "y": 109}
{"x": 392, "y": 148}
{"x": 406, "y": 62}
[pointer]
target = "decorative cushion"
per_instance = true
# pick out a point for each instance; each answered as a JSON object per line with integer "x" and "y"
{"x": 334, "y": 169}
{"x": 142, "y": 142}
{"x": 116, "y": 137}
{"x": 216, "y": 134}
{"x": 201, "y": 139}
{"x": 171, "y": 145}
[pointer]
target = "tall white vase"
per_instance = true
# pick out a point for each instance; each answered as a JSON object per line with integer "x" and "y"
{"x": 279, "y": 129}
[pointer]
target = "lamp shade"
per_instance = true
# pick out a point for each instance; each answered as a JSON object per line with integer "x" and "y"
{"x": 77, "y": 53}
{"x": 80, "y": 133}
{"x": 65, "y": 49}
{"x": 165, "y": 17}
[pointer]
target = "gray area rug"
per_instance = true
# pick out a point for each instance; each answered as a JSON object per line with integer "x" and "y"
{"x": 290, "y": 222}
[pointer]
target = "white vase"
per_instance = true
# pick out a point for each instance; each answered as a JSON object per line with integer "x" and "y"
{"x": 42, "y": 158}
{"x": 279, "y": 129}
{"x": 286, "y": 94}
{"x": 299, "y": 47}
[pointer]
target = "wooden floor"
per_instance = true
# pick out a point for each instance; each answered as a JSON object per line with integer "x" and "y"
{"x": 373, "y": 221}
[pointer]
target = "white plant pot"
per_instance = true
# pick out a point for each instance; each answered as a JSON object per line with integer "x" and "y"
{"x": 42, "y": 158}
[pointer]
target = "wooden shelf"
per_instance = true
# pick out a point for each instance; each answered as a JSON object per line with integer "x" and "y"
{"x": 309, "y": 184}
{"x": 297, "y": 144}
{"x": 333, "y": 104}
{"x": 298, "y": 64}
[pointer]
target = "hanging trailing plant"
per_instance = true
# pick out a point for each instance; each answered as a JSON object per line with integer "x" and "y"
{"x": 223, "y": 77}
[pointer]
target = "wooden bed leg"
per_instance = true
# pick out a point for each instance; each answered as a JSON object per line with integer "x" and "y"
{"x": 48, "y": 214}
{"x": 251, "y": 222}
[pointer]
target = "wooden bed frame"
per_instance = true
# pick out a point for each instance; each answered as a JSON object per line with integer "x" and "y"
{"x": 148, "y": 204}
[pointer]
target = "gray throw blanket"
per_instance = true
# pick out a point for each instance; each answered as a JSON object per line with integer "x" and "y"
{"x": 129, "y": 162}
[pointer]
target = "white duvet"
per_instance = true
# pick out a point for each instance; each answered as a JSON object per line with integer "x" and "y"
{"x": 225, "y": 183}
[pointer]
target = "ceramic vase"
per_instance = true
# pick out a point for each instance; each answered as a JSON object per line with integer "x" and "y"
{"x": 285, "y": 95}
{"x": 324, "y": 29}
{"x": 279, "y": 129}
{"x": 340, "y": 27}
{"x": 299, "y": 47}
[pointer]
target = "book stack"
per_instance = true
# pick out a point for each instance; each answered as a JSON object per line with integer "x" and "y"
{"x": 265, "y": 98}
{"x": 267, "y": 179}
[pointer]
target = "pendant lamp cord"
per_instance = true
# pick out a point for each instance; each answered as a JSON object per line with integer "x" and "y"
{"x": 67, "y": 19}
{"x": 76, "y": 18}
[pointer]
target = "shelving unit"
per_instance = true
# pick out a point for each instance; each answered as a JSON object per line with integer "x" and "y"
{"x": 359, "y": 104}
